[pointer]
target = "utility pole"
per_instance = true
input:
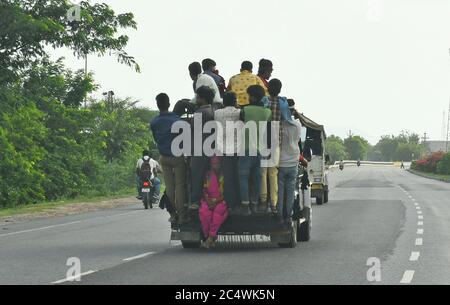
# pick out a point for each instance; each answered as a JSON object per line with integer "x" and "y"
{"x": 425, "y": 138}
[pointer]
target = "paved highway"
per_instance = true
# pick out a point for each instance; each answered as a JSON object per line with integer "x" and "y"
{"x": 375, "y": 213}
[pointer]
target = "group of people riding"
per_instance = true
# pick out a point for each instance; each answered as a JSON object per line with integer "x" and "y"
{"x": 234, "y": 181}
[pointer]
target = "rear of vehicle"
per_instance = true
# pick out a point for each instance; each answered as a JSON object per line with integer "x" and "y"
{"x": 319, "y": 179}
{"x": 285, "y": 235}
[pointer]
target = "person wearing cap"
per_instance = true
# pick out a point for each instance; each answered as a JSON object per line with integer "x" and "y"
{"x": 213, "y": 210}
{"x": 288, "y": 166}
{"x": 242, "y": 81}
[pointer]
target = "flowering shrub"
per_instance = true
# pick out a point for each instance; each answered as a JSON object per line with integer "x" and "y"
{"x": 430, "y": 163}
{"x": 443, "y": 166}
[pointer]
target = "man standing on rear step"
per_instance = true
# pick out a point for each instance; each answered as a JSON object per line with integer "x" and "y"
{"x": 288, "y": 170}
{"x": 200, "y": 163}
{"x": 174, "y": 168}
{"x": 250, "y": 163}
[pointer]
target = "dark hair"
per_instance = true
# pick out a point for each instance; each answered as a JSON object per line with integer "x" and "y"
{"x": 208, "y": 64}
{"x": 146, "y": 153}
{"x": 247, "y": 66}
{"x": 163, "y": 102}
{"x": 264, "y": 66}
{"x": 275, "y": 86}
{"x": 256, "y": 91}
{"x": 229, "y": 99}
{"x": 206, "y": 93}
{"x": 195, "y": 68}
{"x": 291, "y": 102}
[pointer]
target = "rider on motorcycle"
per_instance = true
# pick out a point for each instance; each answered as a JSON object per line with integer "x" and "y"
{"x": 155, "y": 169}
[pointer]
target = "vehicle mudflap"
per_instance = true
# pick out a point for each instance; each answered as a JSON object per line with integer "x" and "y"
{"x": 189, "y": 236}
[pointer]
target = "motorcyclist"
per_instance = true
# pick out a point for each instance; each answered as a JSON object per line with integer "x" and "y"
{"x": 155, "y": 181}
{"x": 341, "y": 164}
{"x": 358, "y": 162}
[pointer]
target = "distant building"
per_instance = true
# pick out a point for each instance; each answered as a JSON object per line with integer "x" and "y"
{"x": 436, "y": 146}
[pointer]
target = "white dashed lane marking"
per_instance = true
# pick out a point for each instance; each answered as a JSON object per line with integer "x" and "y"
{"x": 138, "y": 256}
{"x": 407, "y": 277}
{"x": 419, "y": 241}
{"x": 420, "y": 231}
{"x": 414, "y": 256}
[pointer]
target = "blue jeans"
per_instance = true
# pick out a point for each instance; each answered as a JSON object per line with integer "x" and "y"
{"x": 287, "y": 176}
{"x": 249, "y": 166}
{"x": 156, "y": 187}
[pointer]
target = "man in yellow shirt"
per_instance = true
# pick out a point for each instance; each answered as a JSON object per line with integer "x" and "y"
{"x": 241, "y": 82}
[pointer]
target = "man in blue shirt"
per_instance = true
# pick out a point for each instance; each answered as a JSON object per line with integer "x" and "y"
{"x": 174, "y": 168}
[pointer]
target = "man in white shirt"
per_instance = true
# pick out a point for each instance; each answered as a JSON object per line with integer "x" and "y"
{"x": 228, "y": 144}
{"x": 155, "y": 168}
{"x": 201, "y": 79}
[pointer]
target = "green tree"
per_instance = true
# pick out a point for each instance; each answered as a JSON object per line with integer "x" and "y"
{"x": 356, "y": 147}
{"x": 334, "y": 147}
{"x": 28, "y": 26}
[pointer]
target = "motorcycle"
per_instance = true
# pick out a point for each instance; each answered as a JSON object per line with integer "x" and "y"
{"x": 358, "y": 163}
{"x": 147, "y": 194}
{"x": 341, "y": 167}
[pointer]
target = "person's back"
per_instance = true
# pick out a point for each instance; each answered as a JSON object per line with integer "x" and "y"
{"x": 161, "y": 127}
{"x": 290, "y": 150}
{"x": 203, "y": 80}
{"x": 258, "y": 114}
{"x": 242, "y": 81}
{"x": 174, "y": 168}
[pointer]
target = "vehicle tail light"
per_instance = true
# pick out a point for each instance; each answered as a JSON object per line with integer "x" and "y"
{"x": 146, "y": 184}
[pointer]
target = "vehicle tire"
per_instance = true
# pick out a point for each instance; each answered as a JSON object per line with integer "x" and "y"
{"x": 325, "y": 197}
{"x": 190, "y": 244}
{"x": 145, "y": 200}
{"x": 319, "y": 200}
{"x": 304, "y": 229}
{"x": 292, "y": 237}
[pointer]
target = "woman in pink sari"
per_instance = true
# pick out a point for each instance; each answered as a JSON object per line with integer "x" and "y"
{"x": 213, "y": 209}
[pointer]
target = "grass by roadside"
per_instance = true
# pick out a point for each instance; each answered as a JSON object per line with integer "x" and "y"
{"x": 48, "y": 207}
{"x": 444, "y": 178}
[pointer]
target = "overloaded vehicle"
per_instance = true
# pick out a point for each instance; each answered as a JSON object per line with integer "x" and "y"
{"x": 314, "y": 151}
{"x": 263, "y": 223}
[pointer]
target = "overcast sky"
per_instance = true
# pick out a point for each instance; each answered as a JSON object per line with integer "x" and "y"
{"x": 371, "y": 66}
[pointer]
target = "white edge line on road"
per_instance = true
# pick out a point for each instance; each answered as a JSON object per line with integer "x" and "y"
{"x": 420, "y": 231}
{"x": 414, "y": 256}
{"x": 74, "y": 278}
{"x": 138, "y": 256}
{"x": 407, "y": 277}
{"x": 63, "y": 224}
{"x": 41, "y": 229}
{"x": 419, "y": 241}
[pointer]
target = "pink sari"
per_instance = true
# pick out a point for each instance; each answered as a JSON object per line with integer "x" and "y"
{"x": 212, "y": 219}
